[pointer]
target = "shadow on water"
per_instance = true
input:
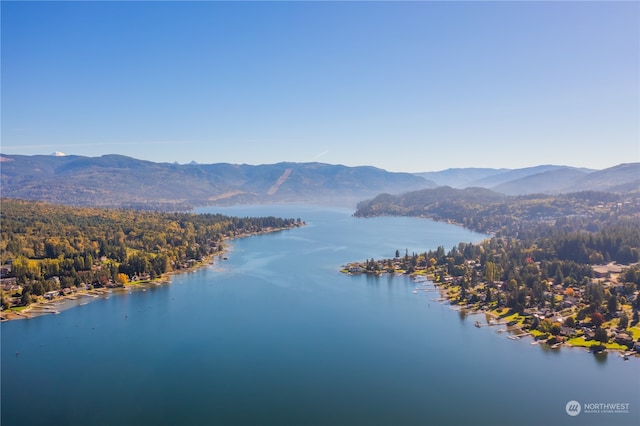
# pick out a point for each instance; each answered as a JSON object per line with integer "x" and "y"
{"x": 462, "y": 314}
{"x": 601, "y": 357}
{"x": 372, "y": 280}
{"x": 546, "y": 348}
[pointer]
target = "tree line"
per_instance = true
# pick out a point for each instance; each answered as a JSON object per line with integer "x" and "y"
{"x": 539, "y": 242}
{"x": 52, "y": 246}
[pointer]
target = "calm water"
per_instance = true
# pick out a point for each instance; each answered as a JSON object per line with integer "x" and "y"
{"x": 276, "y": 335}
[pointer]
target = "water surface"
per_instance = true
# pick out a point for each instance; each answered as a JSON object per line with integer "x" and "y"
{"x": 276, "y": 335}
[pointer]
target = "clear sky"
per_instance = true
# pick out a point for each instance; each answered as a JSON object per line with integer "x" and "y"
{"x": 410, "y": 86}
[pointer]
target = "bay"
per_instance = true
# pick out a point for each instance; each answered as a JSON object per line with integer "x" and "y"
{"x": 277, "y": 335}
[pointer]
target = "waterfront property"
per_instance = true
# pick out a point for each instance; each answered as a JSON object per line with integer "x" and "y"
{"x": 275, "y": 335}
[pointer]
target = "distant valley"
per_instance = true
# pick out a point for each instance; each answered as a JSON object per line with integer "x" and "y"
{"x": 120, "y": 181}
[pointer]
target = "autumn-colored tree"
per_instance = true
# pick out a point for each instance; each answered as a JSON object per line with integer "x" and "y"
{"x": 122, "y": 279}
{"x": 545, "y": 325}
{"x": 597, "y": 319}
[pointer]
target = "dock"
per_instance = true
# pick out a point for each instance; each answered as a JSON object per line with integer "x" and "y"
{"x": 36, "y": 310}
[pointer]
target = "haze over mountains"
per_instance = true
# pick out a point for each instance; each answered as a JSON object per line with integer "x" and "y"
{"x": 115, "y": 180}
{"x": 119, "y": 181}
{"x": 547, "y": 179}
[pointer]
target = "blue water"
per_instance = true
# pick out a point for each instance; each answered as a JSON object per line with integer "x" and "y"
{"x": 275, "y": 335}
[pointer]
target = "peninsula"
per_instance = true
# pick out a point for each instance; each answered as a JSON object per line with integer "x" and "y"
{"x": 50, "y": 252}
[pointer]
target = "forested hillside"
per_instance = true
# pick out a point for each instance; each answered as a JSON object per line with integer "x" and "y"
{"x": 52, "y": 247}
{"x": 573, "y": 257}
{"x": 487, "y": 211}
{"x": 119, "y": 181}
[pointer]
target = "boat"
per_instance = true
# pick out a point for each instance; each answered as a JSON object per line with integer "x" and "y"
{"x": 477, "y": 324}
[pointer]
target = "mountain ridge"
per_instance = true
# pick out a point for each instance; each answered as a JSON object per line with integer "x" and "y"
{"x": 119, "y": 181}
{"x": 547, "y": 179}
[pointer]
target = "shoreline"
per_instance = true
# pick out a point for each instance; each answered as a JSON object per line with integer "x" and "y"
{"x": 516, "y": 331}
{"x": 47, "y": 307}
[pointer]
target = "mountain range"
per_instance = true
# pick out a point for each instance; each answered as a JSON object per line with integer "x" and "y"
{"x": 544, "y": 179}
{"x": 115, "y": 180}
{"x": 120, "y": 181}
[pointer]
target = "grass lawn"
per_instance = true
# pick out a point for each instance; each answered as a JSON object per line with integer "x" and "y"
{"x": 580, "y": 342}
{"x": 615, "y": 346}
{"x": 635, "y": 332}
{"x": 514, "y": 317}
{"x": 536, "y": 333}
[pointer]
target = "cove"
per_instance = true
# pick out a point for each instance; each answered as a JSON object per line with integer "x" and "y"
{"x": 276, "y": 335}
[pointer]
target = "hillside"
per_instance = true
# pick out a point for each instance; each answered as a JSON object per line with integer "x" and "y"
{"x": 487, "y": 211}
{"x": 620, "y": 178}
{"x": 547, "y": 182}
{"x": 119, "y": 181}
{"x": 461, "y": 177}
{"x": 546, "y": 179}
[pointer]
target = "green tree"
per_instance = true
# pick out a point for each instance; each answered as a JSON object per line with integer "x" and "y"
{"x": 545, "y": 325}
{"x": 600, "y": 335}
{"x": 623, "y": 322}
{"x": 26, "y": 298}
{"x": 570, "y": 322}
{"x": 612, "y": 304}
{"x": 6, "y": 304}
{"x": 491, "y": 272}
{"x": 487, "y": 297}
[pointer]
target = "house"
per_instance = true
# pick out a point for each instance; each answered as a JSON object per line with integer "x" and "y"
{"x": 568, "y": 302}
{"x": 603, "y": 271}
{"x": 9, "y": 284}
{"x": 618, "y": 289}
{"x": 623, "y": 338}
{"x": 5, "y": 271}
{"x": 566, "y": 331}
{"x": 51, "y": 294}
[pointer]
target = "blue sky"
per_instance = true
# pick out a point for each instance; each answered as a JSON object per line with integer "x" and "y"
{"x": 412, "y": 86}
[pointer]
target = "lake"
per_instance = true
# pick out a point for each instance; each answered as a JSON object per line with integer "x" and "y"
{"x": 276, "y": 335}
